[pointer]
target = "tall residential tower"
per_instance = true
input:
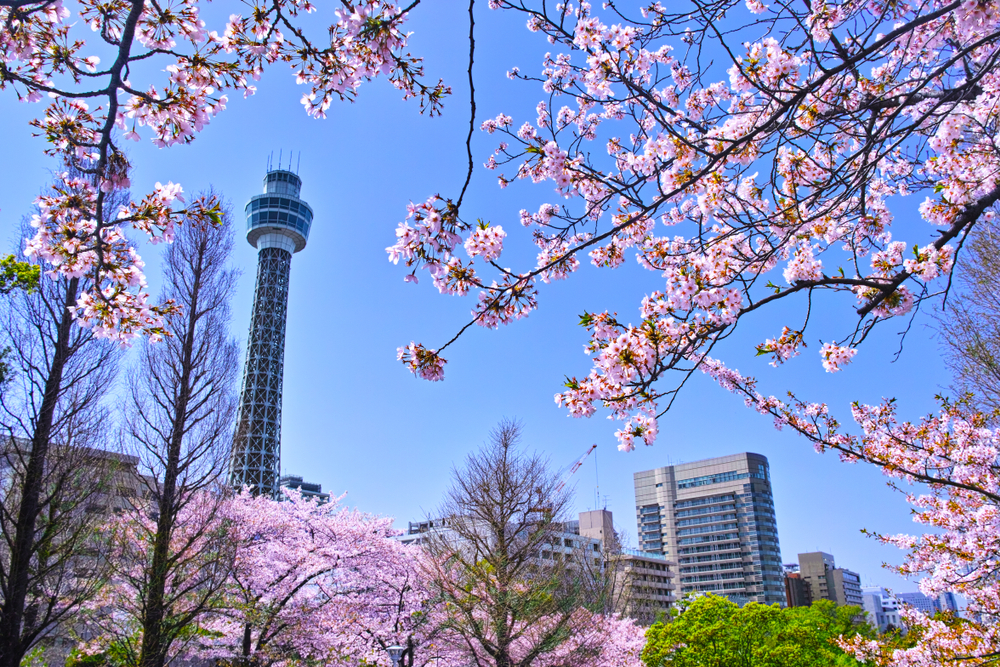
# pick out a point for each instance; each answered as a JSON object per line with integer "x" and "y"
{"x": 278, "y": 225}
{"x": 715, "y": 518}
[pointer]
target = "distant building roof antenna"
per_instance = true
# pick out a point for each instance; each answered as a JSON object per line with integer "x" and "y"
{"x": 298, "y": 163}
{"x": 279, "y": 159}
{"x": 597, "y": 481}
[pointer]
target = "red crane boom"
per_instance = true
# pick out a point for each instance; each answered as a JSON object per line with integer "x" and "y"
{"x": 575, "y": 467}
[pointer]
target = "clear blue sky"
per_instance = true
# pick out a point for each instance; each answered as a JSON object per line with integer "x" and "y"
{"x": 356, "y": 421}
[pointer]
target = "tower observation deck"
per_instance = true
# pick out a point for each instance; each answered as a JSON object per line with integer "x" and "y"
{"x": 278, "y": 225}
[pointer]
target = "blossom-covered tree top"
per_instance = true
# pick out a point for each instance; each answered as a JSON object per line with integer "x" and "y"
{"x": 746, "y": 154}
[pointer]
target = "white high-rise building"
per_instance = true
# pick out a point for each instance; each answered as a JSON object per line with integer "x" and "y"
{"x": 715, "y": 518}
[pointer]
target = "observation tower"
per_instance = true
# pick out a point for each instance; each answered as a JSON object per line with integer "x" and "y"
{"x": 278, "y": 225}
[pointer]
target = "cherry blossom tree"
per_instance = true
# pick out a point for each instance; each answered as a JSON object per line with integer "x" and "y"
{"x": 748, "y": 155}
{"x": 202, "y": 551}
{"x": 506, "y": 591}
{"x": 51, "y": 53}
{"x": 953, "y": 455}
{"x": 307, "y": 583}
{"x": 400, "y": 609}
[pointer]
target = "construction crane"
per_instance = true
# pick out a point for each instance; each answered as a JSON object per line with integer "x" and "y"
{"x": 543, "y": 508}
{"x": 574, "y": 468}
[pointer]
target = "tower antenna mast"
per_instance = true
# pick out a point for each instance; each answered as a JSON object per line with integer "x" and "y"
{"x": 597, "y": 482}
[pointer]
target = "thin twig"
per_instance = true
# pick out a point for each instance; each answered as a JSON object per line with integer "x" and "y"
{"x": 472, "y": 102}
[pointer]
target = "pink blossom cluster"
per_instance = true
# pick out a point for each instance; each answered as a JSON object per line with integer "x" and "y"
{"x": 485, "y": 241}
{"x": 803, "y": 266}
{"x": 782, "y": 348}
{"x": 506, "y": 301}
{"x": 542, "y": 218}
{"x": 424, "y": 363}
{"x": 640, "y": 426}
{"x": 555, "y": 258}
{"x": 930, "y": 262}
{"x": 428, "y": 236}
{"x": 836, "y": 357}
{"x": 69, "y": 239}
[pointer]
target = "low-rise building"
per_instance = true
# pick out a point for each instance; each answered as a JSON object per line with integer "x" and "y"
{"x": 639, "y": 584}
{"x": 567, "y": 543}
{"x": 796, "y": 589}
{"x": 309, "y": 490}
{"x": 646, "y": 581}
{"x": 882, "y": 608}
{"x": 642, "y": 581}
{"x": 823, "y": 580}
{"x": 82, "y": 488}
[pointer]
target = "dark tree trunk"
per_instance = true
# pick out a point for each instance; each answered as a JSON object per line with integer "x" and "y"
{"x": 12, "y": 645}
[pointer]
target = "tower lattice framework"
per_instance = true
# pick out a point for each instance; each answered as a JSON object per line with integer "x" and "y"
{"x": 278, "y": 225}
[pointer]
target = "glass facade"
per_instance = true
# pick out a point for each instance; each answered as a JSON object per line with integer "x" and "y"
{"x": 721, "y": 477}
{"x": 279, "y": 211}
{"x": 267, "y": 211}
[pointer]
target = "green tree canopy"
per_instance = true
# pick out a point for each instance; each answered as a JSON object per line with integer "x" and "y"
{"x": 17, "y": 275}
{"x": 712, "y": 631}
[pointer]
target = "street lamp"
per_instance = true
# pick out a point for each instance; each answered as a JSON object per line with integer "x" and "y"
{"x": 395, "y": 654}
